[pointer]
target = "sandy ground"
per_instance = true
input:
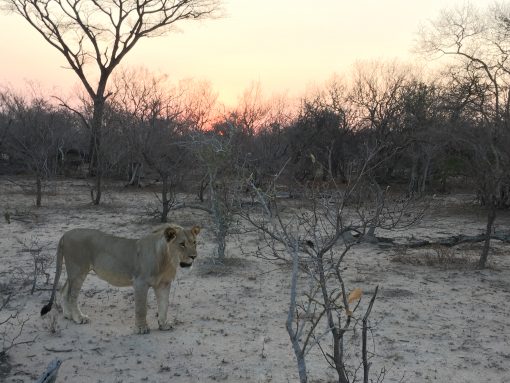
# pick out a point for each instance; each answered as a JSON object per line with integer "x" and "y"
{"x": 442, "y": 323}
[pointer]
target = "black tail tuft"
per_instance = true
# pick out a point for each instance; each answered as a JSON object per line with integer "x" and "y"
{"x": 46, "y": 309}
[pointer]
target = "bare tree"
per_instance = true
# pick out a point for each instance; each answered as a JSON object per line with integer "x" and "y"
{"x": 165, "y": 152}
{"x": 153, "y": 128}
{"x": 375, "y": 95}
{"x": 139, "y": 98}
{"x": 216, "y": 155}
{"x": 479, "y": 40}
{"x": 251, "y": 110}
{"x": 199, "y": 103}
{"x": 317, "y": 240}
{"x": 316, "y": 236}
{"x": 34, "y": 136}
{"x": 377, "y": 104}
{"x": 102, "y": 33}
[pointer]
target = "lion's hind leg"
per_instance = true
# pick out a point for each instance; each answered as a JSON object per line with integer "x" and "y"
{"x": 64, "y": 293}
{"x": 70, "y": 293}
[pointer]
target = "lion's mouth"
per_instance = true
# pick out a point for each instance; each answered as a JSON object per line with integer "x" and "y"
{"x": 186, "y": 264}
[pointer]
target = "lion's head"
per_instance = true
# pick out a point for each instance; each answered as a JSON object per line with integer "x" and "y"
{"x": 183, "y": 242}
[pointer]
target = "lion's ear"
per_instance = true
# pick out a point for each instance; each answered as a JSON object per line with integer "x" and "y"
{"x": 170, "y": 233}
{"x": 195, "y": 230}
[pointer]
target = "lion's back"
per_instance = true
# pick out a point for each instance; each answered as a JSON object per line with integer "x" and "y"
{"x": 113, "y": 258}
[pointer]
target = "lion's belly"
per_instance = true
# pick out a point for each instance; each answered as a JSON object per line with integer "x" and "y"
{"x": 114, "y": 278}
{"x": 115, "y": 271}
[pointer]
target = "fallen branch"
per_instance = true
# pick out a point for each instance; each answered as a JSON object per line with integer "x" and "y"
{"x": 447, "y": 242}
{"x": 184, "y": 205}
{"x": 50, "y": 375}
{"x": 58, "y": 350}
{"x": 458, "y": 239}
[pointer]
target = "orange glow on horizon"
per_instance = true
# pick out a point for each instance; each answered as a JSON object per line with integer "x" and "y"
{"x": 284, "y": 47}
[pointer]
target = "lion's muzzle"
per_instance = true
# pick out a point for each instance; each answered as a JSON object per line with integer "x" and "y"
{"x": 183, "y": 264}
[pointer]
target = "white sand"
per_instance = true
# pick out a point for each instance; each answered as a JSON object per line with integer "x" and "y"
{"x": 430, "y": 323}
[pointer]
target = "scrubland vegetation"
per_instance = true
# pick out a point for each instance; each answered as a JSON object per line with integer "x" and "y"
{"x": 353, "y": 167}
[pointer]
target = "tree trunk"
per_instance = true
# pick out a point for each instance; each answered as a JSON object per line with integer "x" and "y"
{"x": 336, "y": 333}
{"x": 444, "y": 178}
{"x": 220, "y": 217}
{"x": 135, "y": 173}
{"x": 203, "y": 186}
{"x": 96, "y": 167}
{"x": 220, "y": 220}
{"x": 491, "y": 216}
{"x": 164, "y": 199}
{"x": 425, "y": 174}
{"x": 374, "y": 222}
{"x": 38, "y": 191}
{"x": 504, "y": 197}
{"x": 413, "y": 182}
{"x": 221, "y": 239}
{"x": 98, "y": 188}
{"x": 364, "y": 350}
{"x": 300, "y": 355}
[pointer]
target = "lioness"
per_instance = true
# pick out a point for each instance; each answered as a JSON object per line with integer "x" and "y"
{"x": 151, "y": 261}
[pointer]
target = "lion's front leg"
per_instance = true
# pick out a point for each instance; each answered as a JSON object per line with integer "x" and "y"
{"x": 162, "y": 294}
{"x": 141, "y": 290}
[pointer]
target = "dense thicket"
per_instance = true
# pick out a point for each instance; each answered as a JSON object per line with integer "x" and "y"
{"x": 424, "y": 136}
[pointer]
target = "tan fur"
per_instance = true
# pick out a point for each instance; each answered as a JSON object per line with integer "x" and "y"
{"x": 151, "y": 261}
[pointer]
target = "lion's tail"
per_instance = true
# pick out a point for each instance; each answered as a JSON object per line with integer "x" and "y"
{"x": 60, "y": 257}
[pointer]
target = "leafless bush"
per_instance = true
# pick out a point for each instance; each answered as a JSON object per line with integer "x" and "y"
{"x": 20, "y": 215}
{"x": 41, "y": 261}
{"x": 324, "y": 312}
{"x": 218, "y": 160}
{"x": 152, "y": 210}
{"x": 443, "y": 257}
{"x": 34, "y": 136}
{"x": 11, "y": 327}
{"x": 12, "y": 324}
{"x": 316, "y": 235}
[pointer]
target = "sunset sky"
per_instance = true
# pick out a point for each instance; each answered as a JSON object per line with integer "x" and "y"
{"x": 285, "y": 45}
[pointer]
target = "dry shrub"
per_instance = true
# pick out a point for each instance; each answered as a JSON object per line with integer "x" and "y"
{"x": 20, "y": 215}
{"x": 436, "y": 256}
{"x": 12, "y": 323}
{"x": 41, "y": 261}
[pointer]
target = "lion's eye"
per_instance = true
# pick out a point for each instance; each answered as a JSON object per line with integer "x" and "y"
{"x": 182, "y": 244}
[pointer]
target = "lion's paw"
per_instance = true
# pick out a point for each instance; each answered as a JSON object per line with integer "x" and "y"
{"x": 165, "y": 326}
{"x": 144, "y": 329}
{"x": 81, "y": 319}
